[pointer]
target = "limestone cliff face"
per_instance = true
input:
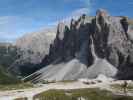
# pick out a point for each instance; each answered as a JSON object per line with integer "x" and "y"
{"x": 35, "y": 46}
{"x": 111, "y": 42}
{"x": 32, "y": 48}
{"x": 89, "y": 47}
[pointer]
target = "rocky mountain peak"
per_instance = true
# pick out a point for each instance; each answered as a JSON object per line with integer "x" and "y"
{"x": 89, "y": 47}
{"x": 102, "y": 12}
{"x": 61, "y": 30}
{"x": 73, "y": 24}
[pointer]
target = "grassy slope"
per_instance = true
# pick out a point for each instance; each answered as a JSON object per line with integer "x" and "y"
{"x": 21, "y": 99}
{"x": 87, "y": 94}
{"x": 8, "y": 55}
{"x": 16, "y": 86}
{"x": 5, "y": 78}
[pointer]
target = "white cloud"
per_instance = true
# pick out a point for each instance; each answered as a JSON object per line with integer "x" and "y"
{"x": 80, "y": 11}
{"x": 74, "y": 15}
{"x": 12, "y": 27}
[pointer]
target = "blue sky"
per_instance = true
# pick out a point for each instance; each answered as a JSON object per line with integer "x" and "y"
{"x": 18, "y": 17}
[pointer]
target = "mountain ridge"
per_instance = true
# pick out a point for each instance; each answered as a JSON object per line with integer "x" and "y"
{"x": 72, "y": 54}
{"x": 88, "y": 46}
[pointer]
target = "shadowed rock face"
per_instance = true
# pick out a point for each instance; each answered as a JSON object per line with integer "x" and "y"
{"x": 100, "y": 45}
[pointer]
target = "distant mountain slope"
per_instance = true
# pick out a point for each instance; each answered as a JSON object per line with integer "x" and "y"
{"x": 32, "y": 48}
{"x": 37, "y": 41}
{"x": 35, "y": 45}
{"x": 8, "y": 54}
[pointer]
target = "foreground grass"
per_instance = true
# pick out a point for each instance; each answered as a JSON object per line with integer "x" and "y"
{"x": 21, "y": 98}
{"x": 79, "y": 94}
{"x": 6, "y": 78}
{"x": 16, "y": 86}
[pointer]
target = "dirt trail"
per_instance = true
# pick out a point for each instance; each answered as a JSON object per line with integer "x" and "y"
{"x": 29, "y": 93}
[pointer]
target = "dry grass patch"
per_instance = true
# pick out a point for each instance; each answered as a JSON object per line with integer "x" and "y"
{"x": 16, "y": 86}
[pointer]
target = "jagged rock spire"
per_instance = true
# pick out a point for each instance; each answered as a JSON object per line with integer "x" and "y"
{"x": 102, "y": 12}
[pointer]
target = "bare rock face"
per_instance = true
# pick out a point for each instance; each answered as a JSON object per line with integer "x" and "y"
{"x": 36, "y": 43}
{"x": 111, "y": 41}
{"x": 130, "y": 29}
{"x": 32, "y": 48}
{"x": 109, "y": 37}
{"x": 88, "y": 48}
{"x": 71, "y": 42}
